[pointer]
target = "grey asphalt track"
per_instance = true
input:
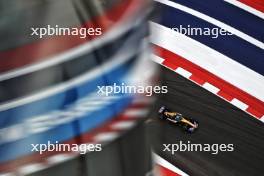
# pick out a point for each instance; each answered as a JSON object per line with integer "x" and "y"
{"x": 220, "y": 122}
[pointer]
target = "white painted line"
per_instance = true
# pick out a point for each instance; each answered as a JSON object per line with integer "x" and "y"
{"x": 262, "y": 119}
{"x": 137, "y": 113}
{"x": 97, "y": 102}
{"x": 120, "y": 58}
{"x": 7, "y": 174}
{"x": 209, "y": 59}
{"x": 118, "y": 30}
{"x": 168, "y": 165}
{"x": 157, "y": 59}
{"x": 105, "y": 137}
{"x": 31, "y": 168}
{"x": 60, "y": 158}
{"x": 183, "y": 72}
{"x": 123, "y": 125}
{"x": 14, "y": 132}
{"x": 213, "y": 21}
{"x": 246, "y": 8}
{"x": 85, "y": 108}
{"x": 143, "y": 99}
{"x": 109, "y": 98}
{"x": 239, "y": 104}
{"x": 211, "y": 88}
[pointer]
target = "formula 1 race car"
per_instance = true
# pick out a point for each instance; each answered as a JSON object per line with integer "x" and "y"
{"x": 188, "y": 124}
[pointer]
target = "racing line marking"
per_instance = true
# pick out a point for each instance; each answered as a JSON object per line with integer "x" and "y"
{"x": 105, "y": 137}
{"x": 157, "y": 59}
{"x": 262, "y": 118}
{"x": 59, "y": 158}
{"x": 136, "y": 112}
{"x": 183, "y": 72}
{"x": 28, "y": 169}
{"x": 213, "y": 89}
{"x": 214, "y": 21}
{"x": 239, "y": 104}
{"x": 246, "y": 8}
{"x": 168, "y": 168}
{"x": 123, "y": 125}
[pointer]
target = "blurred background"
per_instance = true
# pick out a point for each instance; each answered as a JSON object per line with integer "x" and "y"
{"x": 48, "y": 87}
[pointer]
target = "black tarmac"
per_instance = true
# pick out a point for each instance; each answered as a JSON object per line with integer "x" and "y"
{"x": 219, "y": 123}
